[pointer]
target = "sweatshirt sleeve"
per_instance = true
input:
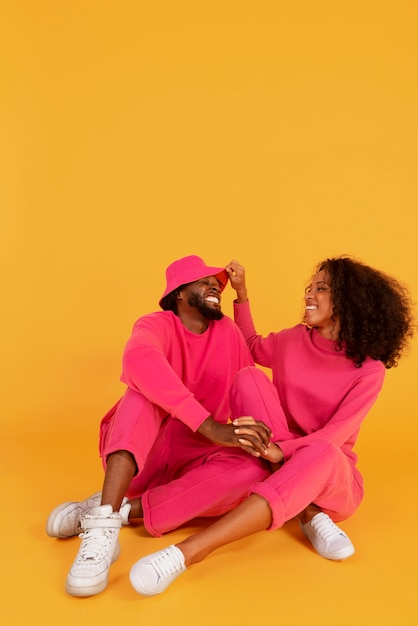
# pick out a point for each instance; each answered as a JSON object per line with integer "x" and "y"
{"x": 147, "y": 370}
{"x": 346, "y": 421}
{"x": 261, "y": 348}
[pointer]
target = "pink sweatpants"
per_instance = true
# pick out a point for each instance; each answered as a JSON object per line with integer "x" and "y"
{"x": 317, "y": 472}
{"x": 181, "y": 474}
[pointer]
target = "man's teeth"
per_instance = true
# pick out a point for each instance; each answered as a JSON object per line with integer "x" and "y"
{"x": 212, "y": 299}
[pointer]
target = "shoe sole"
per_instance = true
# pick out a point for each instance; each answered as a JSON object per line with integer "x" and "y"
{"x": 337, "y": 556}
{"x": 83, "y": 592}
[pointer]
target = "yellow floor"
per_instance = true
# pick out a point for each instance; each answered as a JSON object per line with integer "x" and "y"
{"x": 268, "y": 578}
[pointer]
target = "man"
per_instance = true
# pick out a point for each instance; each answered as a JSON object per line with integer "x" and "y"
{"x": 168, "y": 450}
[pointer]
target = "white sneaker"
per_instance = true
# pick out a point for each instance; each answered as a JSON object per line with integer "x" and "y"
{"x": 327, "y": 539}
{"x": 99, "y": 549}
{"x": 155, "y": 572}
{"x": 65, "y": 520}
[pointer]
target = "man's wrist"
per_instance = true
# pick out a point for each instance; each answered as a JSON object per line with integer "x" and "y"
{"x": 207, "y": 426}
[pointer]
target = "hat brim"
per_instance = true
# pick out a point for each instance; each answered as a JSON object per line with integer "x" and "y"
{"x": 219, "y": 273}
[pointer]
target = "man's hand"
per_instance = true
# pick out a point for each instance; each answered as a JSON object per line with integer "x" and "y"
{"x": 256, "y": 441}
{"x": 236, "y": 273}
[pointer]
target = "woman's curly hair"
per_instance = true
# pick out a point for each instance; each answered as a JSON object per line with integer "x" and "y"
{"x": 374, "y": 311}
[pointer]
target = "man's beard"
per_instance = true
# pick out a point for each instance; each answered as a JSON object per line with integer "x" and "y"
{"x": 197, "y": 301}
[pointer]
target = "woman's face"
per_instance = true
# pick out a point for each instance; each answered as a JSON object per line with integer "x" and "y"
{"x": 319, "y": 307}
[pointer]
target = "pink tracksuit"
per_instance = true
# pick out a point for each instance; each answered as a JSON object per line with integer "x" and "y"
{"x": 175, "y": 380}
{"x": 315, "y": 408}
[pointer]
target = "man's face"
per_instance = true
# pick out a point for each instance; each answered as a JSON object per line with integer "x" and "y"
{"x": 205, "y": 296}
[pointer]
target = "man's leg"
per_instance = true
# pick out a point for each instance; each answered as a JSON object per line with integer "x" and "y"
{"x": 132, "y": 426}
{"x": 120, "y": 470}
{"x": 209, "y": 487}
{"x": 127, "y": 436}
{"x": 214, "y": 480}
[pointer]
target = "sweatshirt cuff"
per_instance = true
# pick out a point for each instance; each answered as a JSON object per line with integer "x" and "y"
{"x": 288, "y": 447}
{"x": 191, "y": 413}
{"x": 241, "y": 308}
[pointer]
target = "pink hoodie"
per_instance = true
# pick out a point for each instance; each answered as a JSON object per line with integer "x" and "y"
{"x": 323, "y": 394}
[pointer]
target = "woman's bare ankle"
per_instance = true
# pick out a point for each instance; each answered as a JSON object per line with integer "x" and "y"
{"x": 307, "y": 514}
{"x": 192, "y": 553}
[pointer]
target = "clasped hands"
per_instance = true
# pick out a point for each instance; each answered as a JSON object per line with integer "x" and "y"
{"x": 244, "y": 432}
{"x": 252, "y": 435}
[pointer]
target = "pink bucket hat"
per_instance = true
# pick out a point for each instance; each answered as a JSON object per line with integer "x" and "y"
{"x": 188, "y": 270}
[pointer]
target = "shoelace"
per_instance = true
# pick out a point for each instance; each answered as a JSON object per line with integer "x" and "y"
{"x": 167, "y": 563}
{"x": 94, "y": 542}
{"x": 325, "y": 527}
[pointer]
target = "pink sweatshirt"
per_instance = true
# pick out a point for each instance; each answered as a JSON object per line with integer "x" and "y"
{"x": 323, "y": 394}
{"x": 186, "y": 374}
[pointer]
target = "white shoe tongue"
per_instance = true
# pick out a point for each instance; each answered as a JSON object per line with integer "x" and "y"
{"x": 103, "y": 511}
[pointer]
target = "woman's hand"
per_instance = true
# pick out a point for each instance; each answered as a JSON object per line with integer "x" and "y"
{"x": 236, "y": 273}
{"x": 245, "y": 428}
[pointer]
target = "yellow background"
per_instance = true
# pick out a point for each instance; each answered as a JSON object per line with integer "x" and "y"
{"x": 133, "y": 133}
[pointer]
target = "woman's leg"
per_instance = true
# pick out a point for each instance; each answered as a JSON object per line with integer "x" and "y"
{"x": 326, "y": 479}
{"x": 252, "y": 393}
{"x": 154, "y": 573}
{"x": 317, "y": 472}
{"x": 251, "y": 516}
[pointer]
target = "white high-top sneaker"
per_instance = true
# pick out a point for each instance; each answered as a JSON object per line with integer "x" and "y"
{"x": 99, "y": 549}
{"x": 65, "y": 520}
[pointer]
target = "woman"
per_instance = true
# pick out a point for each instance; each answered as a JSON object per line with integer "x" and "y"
{"x": 327, "y": 373}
